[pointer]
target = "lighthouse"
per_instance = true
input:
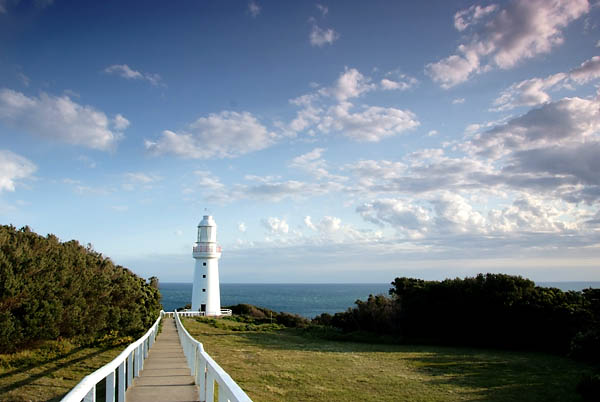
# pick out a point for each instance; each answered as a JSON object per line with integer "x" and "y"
{"x": 206, "y": 296}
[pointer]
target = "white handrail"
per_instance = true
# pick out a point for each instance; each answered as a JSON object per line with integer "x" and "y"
{"x": 130, "y": 362}
{"x": 206, "y": 371}
{"x": 192, "y": 313}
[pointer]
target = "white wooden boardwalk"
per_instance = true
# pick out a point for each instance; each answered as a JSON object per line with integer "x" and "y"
{"x": 166, "y": 375}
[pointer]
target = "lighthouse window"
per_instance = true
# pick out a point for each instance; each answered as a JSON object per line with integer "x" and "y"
{"x": 204, "y": 290}
{"x": 204, "y": 276}
{"x": 204, "y": 264}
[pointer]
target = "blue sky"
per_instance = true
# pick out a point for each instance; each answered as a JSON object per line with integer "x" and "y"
{"x": 332, "y": 141}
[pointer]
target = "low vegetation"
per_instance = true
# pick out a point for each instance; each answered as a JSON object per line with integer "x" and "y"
{"x": 47, "y": 371}
{"x": 272, "y": 362}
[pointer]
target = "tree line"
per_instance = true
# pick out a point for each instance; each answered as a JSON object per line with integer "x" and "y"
{"x": 51, "y": 289}
{"x": 491, "y": 310}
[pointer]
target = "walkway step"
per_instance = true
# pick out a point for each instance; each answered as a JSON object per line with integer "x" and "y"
{"x": 166, "y": 376}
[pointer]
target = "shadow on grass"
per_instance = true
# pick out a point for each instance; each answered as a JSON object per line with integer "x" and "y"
{"x": 55, "y": 367}
{"x": 484, "y": 374}
{"x": 533, "y": 377}
{"x": 29, "y": 366}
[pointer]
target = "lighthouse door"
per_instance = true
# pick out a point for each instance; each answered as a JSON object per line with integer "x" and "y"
{"x": 203, "y": 308}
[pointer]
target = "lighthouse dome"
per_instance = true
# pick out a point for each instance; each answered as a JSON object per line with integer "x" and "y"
{"x": 207, "y": 220}
{"x": 207, "y": 230}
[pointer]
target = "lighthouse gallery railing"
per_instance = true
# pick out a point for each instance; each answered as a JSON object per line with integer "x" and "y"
{"x": 206, "y": 371}
{"x": 128, "y": 364}
{"x": 207, "y": 249}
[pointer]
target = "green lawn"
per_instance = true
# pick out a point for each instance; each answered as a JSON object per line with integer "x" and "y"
{"x": 49, "y": 370}
{"x": 284, "y": 365}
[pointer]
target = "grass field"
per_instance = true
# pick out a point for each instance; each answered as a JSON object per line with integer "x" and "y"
{"x": 49, "y": 370}
{"x": 284, "y": 365}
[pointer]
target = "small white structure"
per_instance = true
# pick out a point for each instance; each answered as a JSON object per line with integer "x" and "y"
{"x": 206, "y": 294}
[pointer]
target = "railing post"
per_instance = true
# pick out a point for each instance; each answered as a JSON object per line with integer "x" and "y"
{"x": 193, "y": 355}
{"x": 223, "y": 393}
{"x": 110, "y": 387}
{"x": 130, "y": 369}
{"x": 141, "y": 357}
{"x": 201, "y": 376}
{"x": 91, "y": 396}
{"x": 210, "y": 386}
{"x": 121, "y": 379}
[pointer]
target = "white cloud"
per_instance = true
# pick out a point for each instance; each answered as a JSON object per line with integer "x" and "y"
{"x": 330, "y": 224}
{"x": 13, "y": 167}
{"x": 308, "y": 223}
{"x": 140, "y": 177}
{"x": 58, "y": 117}
{"x": 208, "y": 181}
{"x": 242, "y": 227}
{"x": 558, "y": 123}
{"x": 135, "y": 180}
{"x": 454, "y": 69}
{"x": 120, "y": 123}
{"x": 323, "y": 9}
{"x": 458, "y": 101}
{"x": 530, "y": 92}
{"x": 370, "y": 172}
{"x": 522, "y": 29}
{"x": 464, "y": 18}
{"x": 431, "y": 133}
{"x": 312, "y": 163}
{"x": 321, "y": 37}
{"x": 350, "y": 84}
{"x": 223, "y": 135}
{"x": 276, "y": 225}
{"x": 403, "y": 82}
{"x": 408, "y": 219}
{"x": 308, "y": 115}
{"x": 454, "y": 214}
{"x": 535, "y": 91}
{"x": 589, "y": 70}
{"x": 124, "y": 71}
{"x": 254, "y": 9}
{"x": 372, "y": 124}
{"x": 271, "y": 189}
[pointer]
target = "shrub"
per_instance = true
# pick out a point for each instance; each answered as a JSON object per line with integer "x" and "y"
{"x": 589, "y": 387}
{"x": 50, "y": 289}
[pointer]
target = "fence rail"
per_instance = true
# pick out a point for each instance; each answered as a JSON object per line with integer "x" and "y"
{"x": 206, "y": 371}
{"x": 191, "y": 313}
{"x": 119, "y": 373}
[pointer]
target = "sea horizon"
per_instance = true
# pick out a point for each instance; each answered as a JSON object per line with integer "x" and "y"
{"x": 305, "y": 299}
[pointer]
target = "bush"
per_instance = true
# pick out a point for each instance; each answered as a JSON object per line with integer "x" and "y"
{"x": 50, "y": 289}
{"x": 492, "y": 310}
{"x": 589, "y": 387}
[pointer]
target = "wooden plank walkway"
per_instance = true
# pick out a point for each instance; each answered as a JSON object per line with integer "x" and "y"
{"x": 166, "y": 375}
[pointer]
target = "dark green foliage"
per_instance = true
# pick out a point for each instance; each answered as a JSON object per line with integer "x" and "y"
{"x": 492, "y": 310}
{"x": 50, "y": 289}
{"x": 589, "y": 387}
{"x": 261, "y": 315}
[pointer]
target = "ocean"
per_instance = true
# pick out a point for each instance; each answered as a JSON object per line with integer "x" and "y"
{"x": 307, "y": 300}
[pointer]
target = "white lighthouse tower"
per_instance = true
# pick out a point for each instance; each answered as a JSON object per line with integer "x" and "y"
{"x": 206, "y": 295}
